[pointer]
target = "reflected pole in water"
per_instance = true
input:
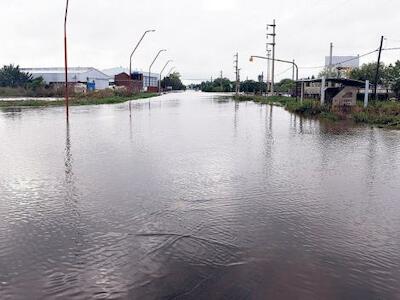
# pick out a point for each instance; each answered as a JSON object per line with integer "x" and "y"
{"x": 68, "y": 156}
{"x": 66, "y": 62}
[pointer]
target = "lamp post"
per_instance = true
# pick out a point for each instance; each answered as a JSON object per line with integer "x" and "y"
{"x": 158, "y": 54}
{"x": 170, "y": 71}
{"x": 66, "y": 62}
{"x": 159, "y": 82}
{"x": 134, "y": 50}
{"x": 280, "y": 60}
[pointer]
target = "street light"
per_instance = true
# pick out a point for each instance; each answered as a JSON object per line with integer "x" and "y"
{"x": 159, "y": 82}
{"x": 134, "y": 50}
{"x": 66, "y": 62}
{"x": 158, "y": 54}
{"x": 170, "y": 71}
{"x": 280, "y": 60}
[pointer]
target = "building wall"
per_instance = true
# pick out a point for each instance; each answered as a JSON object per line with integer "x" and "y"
{"x": 75, "y": 75}
{"x": 153, "y": 80}
{"x": 132, "y": 86}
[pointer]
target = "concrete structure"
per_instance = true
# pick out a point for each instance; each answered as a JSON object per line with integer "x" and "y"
{"x": 75, "y": 75}
{"x": 337, "y": 92}
{"x": 346, "y": 97}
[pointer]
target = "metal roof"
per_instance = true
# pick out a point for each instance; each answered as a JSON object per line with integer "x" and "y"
{"x": 73, "y": 70}
{"x": 115, "y": 71}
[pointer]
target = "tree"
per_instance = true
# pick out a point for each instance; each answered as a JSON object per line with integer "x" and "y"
{"x": 222, "y": 85}
{"x": 11, "y": 76}
{"x": 36, "y": 83}
{"x": 392, "y": 77}
{"x": 173, "y": 81}
{"x": 368, "y": 72}
{"x": 285, "y": 86}
{"x": 251, "y": 86}
{"x": 328, "y": 74}
{"x": 218, "y": 85}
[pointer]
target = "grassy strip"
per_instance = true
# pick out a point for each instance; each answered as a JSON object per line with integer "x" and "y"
{"x": 76, "y": 101}
{"x": 380, "y": 114}
{"x": 309, "y": 108}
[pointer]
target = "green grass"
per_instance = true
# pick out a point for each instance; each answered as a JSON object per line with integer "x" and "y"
{"x": 381, "y": 114}
{"x": 307, "y": 107}
{"x": 76, "y": 101}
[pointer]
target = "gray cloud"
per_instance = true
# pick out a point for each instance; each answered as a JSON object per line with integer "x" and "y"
{"x": 201, "y": 36}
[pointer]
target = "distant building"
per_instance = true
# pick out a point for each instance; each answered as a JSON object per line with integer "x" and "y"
{"x": 343, "y": 62}
{"x": 154, "y": 77}
{"x": 132, "y": 84}
{"x": 153, "y": 83}
{"x": 92, "y": 77}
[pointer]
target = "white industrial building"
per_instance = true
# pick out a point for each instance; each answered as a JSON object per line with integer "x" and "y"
{"x": 75, "y": 75}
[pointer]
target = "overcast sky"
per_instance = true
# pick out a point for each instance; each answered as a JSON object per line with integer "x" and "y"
{"x": 201, "y": 35}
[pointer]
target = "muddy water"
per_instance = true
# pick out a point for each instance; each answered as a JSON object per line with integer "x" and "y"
{"x": 196, "y": 198}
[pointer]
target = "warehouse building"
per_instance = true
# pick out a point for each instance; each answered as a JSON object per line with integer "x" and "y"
{"x": 153, "y": 82}
{"x": 91, "y": 77}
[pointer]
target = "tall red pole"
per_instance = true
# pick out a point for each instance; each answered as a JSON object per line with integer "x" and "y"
{"x": 66, "y": 63}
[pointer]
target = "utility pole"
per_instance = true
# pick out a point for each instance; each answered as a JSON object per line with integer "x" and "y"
{"x": 236, "y": 62}
{"x": 273, "y": 34}
{"x": 294, "y": 62}
{"x": 377, "y": 69}
{"x": 268, "y": 68}
{"x": 330, "y": 59}
{"x": 280, "y": 60}
{"x": 222, "y": 87}
{"x": 66, "y": 63}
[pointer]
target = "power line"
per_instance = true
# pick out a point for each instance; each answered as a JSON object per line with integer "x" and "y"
{"x": 290, "y": 68}
{"x": 388, "y": 39}
{"x": 347, "y": 60}
{"x": 394, "y": 48}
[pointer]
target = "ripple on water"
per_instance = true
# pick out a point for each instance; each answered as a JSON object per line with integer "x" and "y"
{"x": 195, "y": 198}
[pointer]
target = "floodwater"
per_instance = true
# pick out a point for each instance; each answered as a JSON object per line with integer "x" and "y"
{"x": 195, "y": 197}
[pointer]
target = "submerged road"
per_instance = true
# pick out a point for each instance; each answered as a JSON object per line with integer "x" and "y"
{"x": 196, "y": 198}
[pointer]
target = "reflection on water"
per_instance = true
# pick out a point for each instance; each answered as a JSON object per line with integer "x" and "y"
{"x": 201, "y": 199}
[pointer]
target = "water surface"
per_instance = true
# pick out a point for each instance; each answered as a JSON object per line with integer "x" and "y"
{"x": 195, "y": 197}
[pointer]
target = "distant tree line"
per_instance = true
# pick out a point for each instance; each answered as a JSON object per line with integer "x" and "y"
{"x": 173, "y": 82}
{"x": 246, "y": 86}
{"x": 12, "y": 77}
